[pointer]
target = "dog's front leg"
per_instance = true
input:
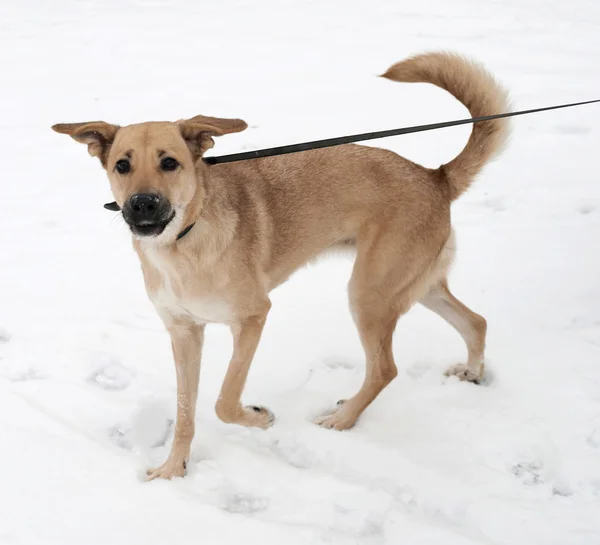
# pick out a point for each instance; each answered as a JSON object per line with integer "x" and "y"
{"x": 246, "y": 335}
{"x": 186, "y": 341}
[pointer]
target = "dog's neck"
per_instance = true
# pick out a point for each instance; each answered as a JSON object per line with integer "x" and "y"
{"x": 216, "y": 220}
{"x": 194, "y": 209}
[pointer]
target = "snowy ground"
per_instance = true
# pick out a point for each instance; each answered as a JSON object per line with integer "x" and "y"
{"x": 86, "y": 376}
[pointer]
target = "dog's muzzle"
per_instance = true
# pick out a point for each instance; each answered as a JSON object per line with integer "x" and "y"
{"x": 147, "y": 214}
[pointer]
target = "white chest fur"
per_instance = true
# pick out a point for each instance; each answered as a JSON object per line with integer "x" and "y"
{"x": 174, "y": 294}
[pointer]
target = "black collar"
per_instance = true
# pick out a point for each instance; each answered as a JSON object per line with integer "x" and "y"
{"x": 185, "y": 231}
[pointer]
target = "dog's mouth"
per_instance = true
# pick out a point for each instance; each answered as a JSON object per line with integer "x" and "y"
{"x": 150, "y": 228}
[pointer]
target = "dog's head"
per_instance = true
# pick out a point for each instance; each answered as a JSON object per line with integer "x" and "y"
{"x": 155, "y": 169}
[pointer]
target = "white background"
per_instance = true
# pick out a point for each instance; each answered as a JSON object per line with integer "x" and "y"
{"x": 86, "y": 375}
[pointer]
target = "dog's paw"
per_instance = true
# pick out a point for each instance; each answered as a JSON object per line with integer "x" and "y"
{"x": 258, "y": 417}
{"x": 466, "y": 373}
{"x": 173, "y": 467}
{"x": 340, "y": 419}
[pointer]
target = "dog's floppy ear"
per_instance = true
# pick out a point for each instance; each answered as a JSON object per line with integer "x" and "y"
{"x": 198, "y": 131}
{"x": 98, "y": 136}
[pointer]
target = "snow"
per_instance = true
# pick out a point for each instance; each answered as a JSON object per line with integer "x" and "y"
{"x": 87, "y": 385}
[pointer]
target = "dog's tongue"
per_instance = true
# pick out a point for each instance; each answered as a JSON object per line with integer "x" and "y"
{"x": 112, "y": 206}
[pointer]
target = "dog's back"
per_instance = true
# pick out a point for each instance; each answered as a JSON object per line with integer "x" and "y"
{"x": 304, "y": 203}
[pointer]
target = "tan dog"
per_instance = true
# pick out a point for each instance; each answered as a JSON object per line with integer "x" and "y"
{"x": 215, "y": 240}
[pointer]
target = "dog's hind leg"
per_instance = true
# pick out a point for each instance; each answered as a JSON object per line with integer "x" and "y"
{"x": 376, "y": 331}
{"x": 385, "y": 282}
{"x": 471, "y": 326}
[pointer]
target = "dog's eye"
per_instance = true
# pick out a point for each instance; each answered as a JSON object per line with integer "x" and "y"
{"x": 168, "y": 164}
{"x": 122, "y": 166}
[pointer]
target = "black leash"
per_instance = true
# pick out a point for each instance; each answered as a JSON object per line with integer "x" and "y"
{"x": 305, "y": 146}
{"x": 315, "y": 144}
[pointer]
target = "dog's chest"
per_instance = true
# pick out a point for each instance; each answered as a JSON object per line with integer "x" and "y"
{"x": 178, "y": 292}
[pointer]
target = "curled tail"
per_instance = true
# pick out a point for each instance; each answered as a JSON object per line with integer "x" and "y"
{"x": 472, "y": 85}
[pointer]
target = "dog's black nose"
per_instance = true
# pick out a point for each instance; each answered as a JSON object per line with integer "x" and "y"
{"x": 144, "y": 207}
{"x": 147, "y": 214}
